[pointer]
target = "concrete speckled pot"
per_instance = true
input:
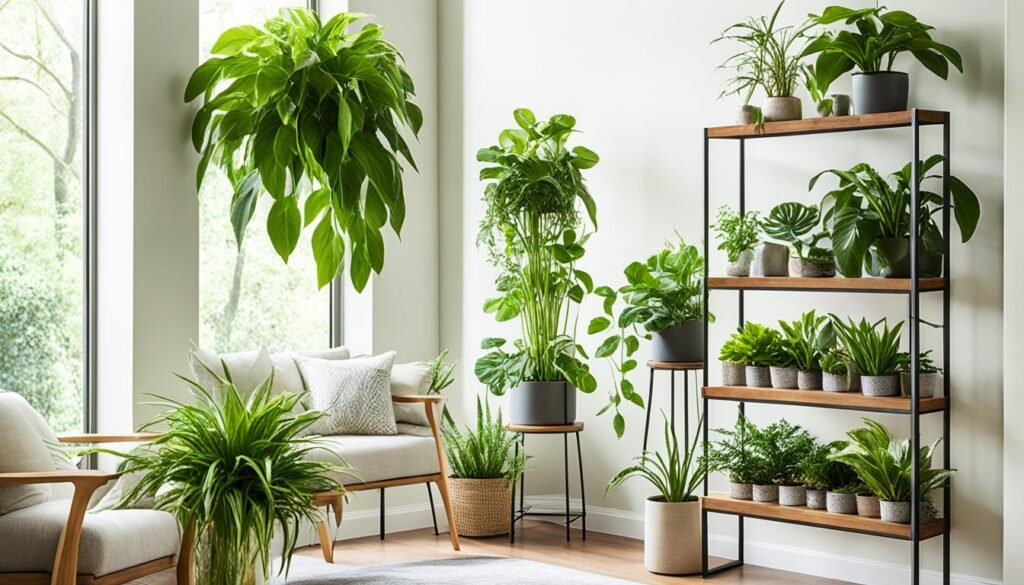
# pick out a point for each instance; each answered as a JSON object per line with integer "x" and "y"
{"x": 766, "y": 493}
{"x": 898, "y": 512}
{"x": 740, "y": 267}
{"x": 792, "y": 495}
{"x": 928, "y": 387}
{"x": 808, "y": 380}
{"x": 733, "y": 374}
{"x": 745, "y": 115}
{"x": 835, "y": 382}
{"x": 837, "y": 503}
{"x": 783, "y": 378}
{"x": 782, "y": 109}
{"x": 816, "y": 499}
{"x": 888, "y": 385}
{"x": 810, "y": 269}
{"x": 758, "y": 377}
{"x": 741, "y": 491}
{"x": 771, "y": 260}
{"x": 672, "y": 535}
{"x": 867, "y": 505}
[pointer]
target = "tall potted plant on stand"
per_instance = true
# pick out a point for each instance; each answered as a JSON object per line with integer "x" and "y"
{"x": 538, "y": 218}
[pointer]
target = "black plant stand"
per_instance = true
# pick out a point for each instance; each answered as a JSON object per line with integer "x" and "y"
{"x": 672, "y": 368}
{"x": 523, "y": 511}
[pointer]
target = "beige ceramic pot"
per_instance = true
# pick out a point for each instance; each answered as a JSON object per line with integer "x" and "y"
{"x": 672, "y": 537}
{"x": 782, "y": 109}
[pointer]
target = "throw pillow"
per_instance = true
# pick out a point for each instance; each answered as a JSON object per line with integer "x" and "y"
{"x": 247, "y": 369}
{"x": 21, "y": 449}
{"x": 354, "y": 394}
{"x": 411, "y": 380}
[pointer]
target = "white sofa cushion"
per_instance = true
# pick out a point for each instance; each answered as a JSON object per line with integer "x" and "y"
{"x": 111, "y": 541}
{"x": 411, "y": 380}
{"x": 21, "y": 449}
{"x": 379, "y": 457}
{"x": 250, "y": 368}
{"x": 354, "y": 394}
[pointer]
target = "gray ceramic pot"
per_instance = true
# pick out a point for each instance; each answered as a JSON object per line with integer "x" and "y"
{"x": 784, "y": 378}
{"x": 792, "y": 495}
{"x": 881, "y": 91}
{"x": 880, "y": 385}
{"x": 740, "y": 267}
{"x": 867, "y": 505}
{"x": 898, "y": 512}
{"x": 808, "y": 380}
{"x": 840, "y": 104}
{"x": 745, "y": 115}
{"x": 679, "y": 343}
{"x": 771, "y": 260}
{"x": 733, "y": 374}
{"x": 891, "y": 259}
{"x": 835, "y": 382}
{"x": 782, "y": 109}
{"x": 542, "y": 403}
{"x": 741, "y": 491}
{"x": 816, "y": 499}
{"x": 766, "y": 493}
{"x": 929, "y": 384}
{"x": 837, "y": 503}
{"x": 810, "y": 269}
{"x": 758, "y": 377}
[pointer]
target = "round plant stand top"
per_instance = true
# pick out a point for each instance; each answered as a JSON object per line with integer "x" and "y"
{"x": 545, "y": 429}
{"x": 678, "y": 366}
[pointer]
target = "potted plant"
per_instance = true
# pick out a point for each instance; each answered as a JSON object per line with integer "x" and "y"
{"x": 884, "y": 464}
{"x": 538, "y": 212}
{"x": 769, "y": 59}
{"x": 806, "y": 341}
{"x": 794, "y": 224}
{"x": 732, "y": 357}
{"x": 739, "y": 234}
{"x": 929, "y": 381}
{"x": 665, "y": 295}
{"x": 329, "y": 157}
{"x": 878, "y": 37}
{"x": 672, "y": 530}
{"x": 777, "y": 451}
{"x": 816, "y": 471}
{"x": 732, "y": 455}
{"x": 842, "y": 483}
{"x": 868, "y": 504}
{"x": 209, "y": 468}
{"x": 836, "y": 372}
{"x": 874, "y": 352}
{"x": 758, "y": 346}
{"x": 782, "y": 371}
{"x": 484, "y": 468}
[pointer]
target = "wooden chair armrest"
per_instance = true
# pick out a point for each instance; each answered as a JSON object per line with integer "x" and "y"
{"x": 97, "y": 439}
{"x": 418, "y": 398}
{"x": 78, "y": 478}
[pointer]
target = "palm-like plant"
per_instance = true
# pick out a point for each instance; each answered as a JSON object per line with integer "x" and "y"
{"x": 486, "y": 452}
{"x": 808, "y": 339}
{"x": 874, "y": 352}
{"x": 676, "y": 475}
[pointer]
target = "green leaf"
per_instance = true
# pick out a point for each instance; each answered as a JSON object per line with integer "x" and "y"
{"x": 328, "y": 252}
{"x": 966, "y": 208}
{"x": 360, "y": 268}
{"x": 234, "y": 40}
{"x": 584, "y": 158}
{"x": 492, "y": 343}
{"x": 524, "y": 118}
{"x": 204, "y": 77}
{"x": 598, "y": 324}
{"x": 609, "y": 347}
{"x": 619, "y": 423}
{"x": 284, "y": 222}
{"x": 315, "y": 204}
{"x": 375, "y": 248}
{"x": 243, "y": 205}
{"x": 345, "y": 128}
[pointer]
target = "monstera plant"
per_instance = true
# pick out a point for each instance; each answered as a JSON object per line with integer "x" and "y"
{"x": 795, "y": 224}
{"x": 313, "y": 117}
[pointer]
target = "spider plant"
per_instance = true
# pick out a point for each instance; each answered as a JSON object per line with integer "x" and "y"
{"x": 676, "y": 475}
{"x": 486, "y": 452}
{"x": 807, "y": 339}
{"x": 874, "y": 352}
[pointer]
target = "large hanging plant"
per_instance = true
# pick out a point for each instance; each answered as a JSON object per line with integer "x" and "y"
{"x": 313, "y": 116}
{"x": 539, "y": 215}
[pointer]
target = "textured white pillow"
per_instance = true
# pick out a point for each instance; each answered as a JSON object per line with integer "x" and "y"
{"x": 21, "y": 449}
{"x": 249, "y": 369}
{"x": 411, "y": 380}
{"x": 354, "y": 394}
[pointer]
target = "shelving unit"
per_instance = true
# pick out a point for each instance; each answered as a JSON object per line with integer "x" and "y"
{"x": 912, "y": 407}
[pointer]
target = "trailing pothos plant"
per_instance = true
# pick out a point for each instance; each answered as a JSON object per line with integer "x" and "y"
{"x": 314, "y": 117}
{"x": 538, "y": 217}
{"x": 618, "y": 348}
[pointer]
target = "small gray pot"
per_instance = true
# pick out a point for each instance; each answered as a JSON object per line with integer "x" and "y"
{"x": 837, "y": 503}
{"x": 792, "y": 495}
{"x": 783, "y": 378}
{"x": 929, "y": 384}
{"x": 881, "y": 91}
{"x": 766, "y": 493}
{"x": 740, "y": 267}
{"x": 758, "y": 377}
{"x": 745, "y": 115}
{"x": 782, "y": 109}
{"x": 733, "y": 374}
{"x": 771, "y": 260}
{"x": 816, "y": 499}
{"x": 835, "y": 382}
{"x": 888, "y": 385}
{"x": 741, "y": 491}
{"x": 810, "y": 269}
{"x": 809, "y": 380}
{"x": 898, "y": 512}
{"x": 840, "y": 104}
{"x": 679, "y": 343}
{"x": 867, "y": 505}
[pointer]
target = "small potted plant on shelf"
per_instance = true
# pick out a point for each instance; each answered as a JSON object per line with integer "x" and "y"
{"x": 783, "y": 370}
{"x": 877, "y": 38}
{"x": 929, "y": 382}
{"x": 836, "y": 370}
{"x": 672, "y": 530}
{"x": 777, "y": 450}
{"x": 794, "y": 224}
{"x": 867, "y": 502}
{"x": 884, "y": 464}
{"x": 732, "y": 357}
{"x": 484, "y": 468}
{"x": 732, "y": 455}
{"x": 807, "y": 341}
{"x": 815, "y": 472}
{"x": 842, "y": 481}
{"x": 875, "y": 352}
{"x": 758, "y": 346}
{"x": 739, "y": 234}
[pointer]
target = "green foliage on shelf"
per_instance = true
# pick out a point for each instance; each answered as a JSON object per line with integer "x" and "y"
{"x": 732, "y": 453}
{"x": 676, "y": 475}
{"x": 732, "y": 350}
{"x": 874, "y": 351}
{"x": 926, "y": 365}
{"x": 806, "y": 340}
{"x": 757, "y": 345}
{"x": 777, "y": 451}
{"x": 738, "y": 232}
{"x": 484, "y": 452}
{"x": 820, "y": 471}
{"x": 666, "y": 290}
{"x": 836, "y": 361}
{"x": 790, "y": 223}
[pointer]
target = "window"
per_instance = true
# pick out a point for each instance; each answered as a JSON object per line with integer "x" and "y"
{"x": 248, "y": 297}
{"x": 44, "y": 70}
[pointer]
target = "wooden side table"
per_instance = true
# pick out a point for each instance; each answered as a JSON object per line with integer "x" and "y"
{"x": 672, "y": 367}
{"x": 570, "y": 516}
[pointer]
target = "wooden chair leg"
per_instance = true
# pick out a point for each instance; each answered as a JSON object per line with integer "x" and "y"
{"x": 185, "y": 570}
{"x": 65, "y": 564}
{"x": 453, "y": 531}
{"x": 326, "y": 542}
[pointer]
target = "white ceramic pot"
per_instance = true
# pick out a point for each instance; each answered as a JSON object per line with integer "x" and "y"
{"x": 781, "y": 109}
{"x": 745, "y": 115}
{"x": 672, "y": 544}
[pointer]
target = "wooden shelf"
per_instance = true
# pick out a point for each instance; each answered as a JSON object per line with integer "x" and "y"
{"x": 819, "y": 518}
{"x": 677, "y": 366}
{"x": 826, "y": 125}
{"x": 833, "y": 284}
{"x": 820, "y": 399}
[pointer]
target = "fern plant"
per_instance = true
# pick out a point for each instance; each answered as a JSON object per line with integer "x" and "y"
{"x": 484, "y": 452}
{"x": 732, "y": 454}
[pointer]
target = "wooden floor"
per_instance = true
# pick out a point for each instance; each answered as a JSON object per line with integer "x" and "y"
{"x": 544, "y": 542}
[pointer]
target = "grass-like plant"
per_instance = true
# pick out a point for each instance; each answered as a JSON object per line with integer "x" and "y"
{"x": 757, "y": 345}
{"x": 835, "y": 361}
{"x": 777, "y": 451}
{"x": 732, "y": 453}
{"x": 874, "y": 351}
{"x": 237, "y": 469}
{"x": 884, "y": 463}
{"x": 676, "y": 475}
{"x": 808, "y": 339}
{"x": 738, "y": 232}
{"x": 486, "y": 452}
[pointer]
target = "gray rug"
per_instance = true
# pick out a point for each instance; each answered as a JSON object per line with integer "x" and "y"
{"x": 468, "y": 570}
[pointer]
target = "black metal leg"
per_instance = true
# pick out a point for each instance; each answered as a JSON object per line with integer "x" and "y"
{"x": 650, "y": 405}
{"x": 433, "y": 512}
{"x": 522, "y": 478}
{"x": 382, "y": 513}
{"x": 512, "y": 505}
{"x": 672, "y": 408}
{"x": 686, "y": 405}
{"x": 565, "y": 449}
{"x": 583, "y": 488}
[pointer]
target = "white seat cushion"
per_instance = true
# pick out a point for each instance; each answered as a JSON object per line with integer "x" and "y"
{"x": 380, "y": 457}
{"x": 112, "y": 541}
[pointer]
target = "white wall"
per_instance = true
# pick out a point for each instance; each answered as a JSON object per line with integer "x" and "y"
{"x": 639, "y": 78}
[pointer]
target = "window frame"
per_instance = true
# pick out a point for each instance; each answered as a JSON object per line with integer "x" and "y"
{"x": 89, "y": 220}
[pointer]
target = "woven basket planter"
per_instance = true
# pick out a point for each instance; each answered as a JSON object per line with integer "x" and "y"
{"x": 482, "y": 506}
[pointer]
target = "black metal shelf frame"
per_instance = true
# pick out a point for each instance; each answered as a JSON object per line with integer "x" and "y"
{"x": 913, "y": 310}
